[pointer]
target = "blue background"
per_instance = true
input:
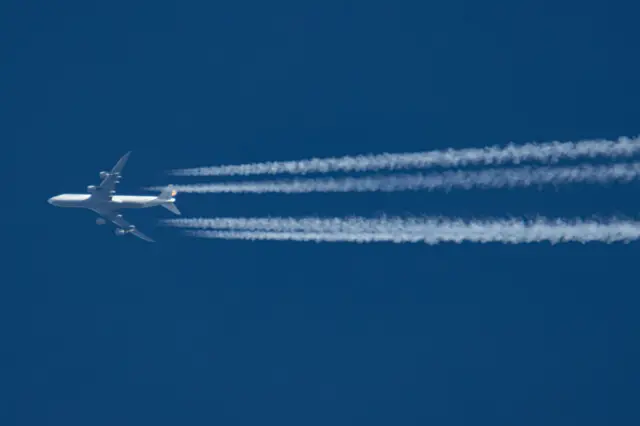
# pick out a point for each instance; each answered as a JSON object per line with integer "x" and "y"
{"x": 102, "y": 330}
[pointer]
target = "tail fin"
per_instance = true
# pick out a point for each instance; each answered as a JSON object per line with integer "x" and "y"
{"x": 167, "y": 195}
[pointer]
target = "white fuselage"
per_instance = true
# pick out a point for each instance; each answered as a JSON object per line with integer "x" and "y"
{"x": 117, "y": 202}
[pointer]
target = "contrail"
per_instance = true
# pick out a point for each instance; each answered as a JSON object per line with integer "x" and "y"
{"x": 500, "y": 231}
{"x": 314, "y": 224}
{"x": 548, "y": 152}
{"x": 484, "y": 179}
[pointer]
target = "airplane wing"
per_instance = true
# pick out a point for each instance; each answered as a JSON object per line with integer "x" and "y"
{"x": 126, "y": 227}
{"x": 107, "y": 187}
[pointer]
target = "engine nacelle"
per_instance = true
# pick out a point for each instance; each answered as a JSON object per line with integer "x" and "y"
{"x": 100, "y": 221}
{"x": 121, "y": 231}
{"x": 91, "y": 189}
{"x": 103, "y": 175}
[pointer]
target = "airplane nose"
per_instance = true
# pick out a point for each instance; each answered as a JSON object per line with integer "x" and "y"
{"x": 50, "y": 200}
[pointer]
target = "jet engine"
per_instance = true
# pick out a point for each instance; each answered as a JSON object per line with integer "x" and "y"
{"x": 91, "y": 189}
{"x": 103, "y": 175}
{"x": 100, "y": 221}
{"x": 121, "y": 231}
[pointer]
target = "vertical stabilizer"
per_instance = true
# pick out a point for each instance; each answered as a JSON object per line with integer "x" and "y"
{"x": 168, "y": 193}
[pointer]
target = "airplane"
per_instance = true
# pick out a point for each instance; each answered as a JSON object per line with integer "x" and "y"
{"x": 103, "y": 200}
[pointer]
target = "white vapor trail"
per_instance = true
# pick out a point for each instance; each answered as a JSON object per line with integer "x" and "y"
{"x": 549, "y": 152}
{"x": 491, "y": 178}
{"x": 455, "y": 231}
{"x": 317, "y": 224}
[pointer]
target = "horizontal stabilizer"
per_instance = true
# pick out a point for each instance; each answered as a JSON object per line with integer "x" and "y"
{"x": 172, "y": 208}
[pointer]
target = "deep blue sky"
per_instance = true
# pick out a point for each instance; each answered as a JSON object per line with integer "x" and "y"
{"x": 99, "y": 330}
